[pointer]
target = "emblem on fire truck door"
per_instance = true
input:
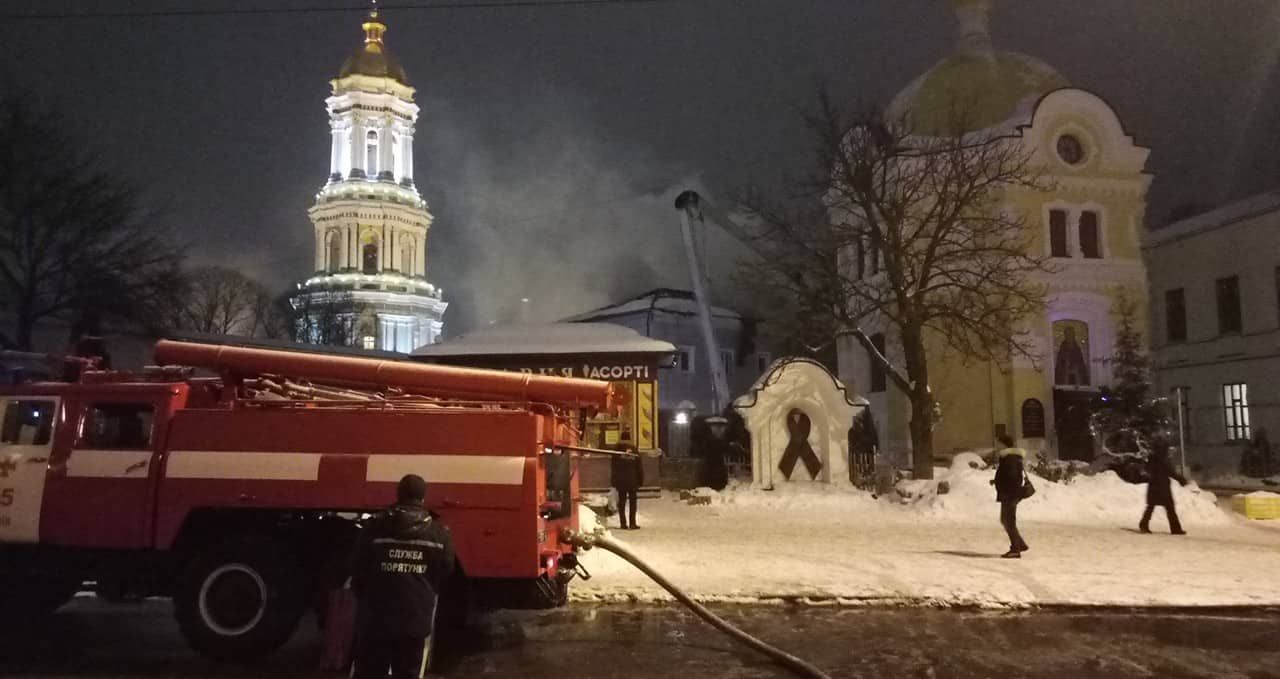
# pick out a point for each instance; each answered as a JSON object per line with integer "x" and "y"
{"x": 8, "y": 465}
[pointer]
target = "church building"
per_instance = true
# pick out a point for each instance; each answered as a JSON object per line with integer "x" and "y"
{"x": 1089, "y": 224}
{"x": 370, "y": 288}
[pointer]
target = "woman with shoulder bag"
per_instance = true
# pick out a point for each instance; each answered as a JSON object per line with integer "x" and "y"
{"x": 1012, "y": 486}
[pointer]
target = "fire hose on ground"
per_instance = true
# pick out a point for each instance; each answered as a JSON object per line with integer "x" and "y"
{"x": 586, "y": 541}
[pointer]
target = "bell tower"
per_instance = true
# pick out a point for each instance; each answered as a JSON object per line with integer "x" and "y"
{"x": 370, "y": 288}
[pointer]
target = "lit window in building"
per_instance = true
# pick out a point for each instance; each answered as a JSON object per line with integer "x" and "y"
{"x": 1089, "y": 235}
{"x": 368, "y": 342}
{"x": 1235, "y": 406}
{"x": 371, "y": 153}
{"x": 1058, "y": 233}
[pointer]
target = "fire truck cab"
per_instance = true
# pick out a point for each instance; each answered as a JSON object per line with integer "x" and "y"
{"x": 240, "y": 496}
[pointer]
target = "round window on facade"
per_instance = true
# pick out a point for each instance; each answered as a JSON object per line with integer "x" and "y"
{"x": 1070, "y": 150}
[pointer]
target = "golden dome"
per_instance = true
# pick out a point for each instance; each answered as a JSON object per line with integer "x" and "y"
{"x": 373, "y": 59}
{"x": 977, "y": 86}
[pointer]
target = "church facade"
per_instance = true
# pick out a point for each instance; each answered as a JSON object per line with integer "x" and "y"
{"x": 370, "y": 288}
{"x": 1089, "y": 224}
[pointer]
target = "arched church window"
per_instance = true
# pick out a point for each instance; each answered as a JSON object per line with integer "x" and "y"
{"x": 370, "y": 255}
{"x": 333, "y": 252}
{"x": 407, "y": 255}
{"x": 1071, "y": 353}
{"x": 371, "y": 153}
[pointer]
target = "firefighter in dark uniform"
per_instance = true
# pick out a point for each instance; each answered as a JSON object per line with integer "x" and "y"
{"x": 403, "y": 556}
{"x": 626, "y": 475}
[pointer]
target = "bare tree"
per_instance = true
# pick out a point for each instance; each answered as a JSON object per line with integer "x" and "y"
{"x": 221, "y": 301}
{"x": 909, "y": 235}
{"x": 74, "y": 243}
{"x": 326, "y": 315}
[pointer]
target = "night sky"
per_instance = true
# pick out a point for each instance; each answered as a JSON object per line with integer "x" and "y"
{"x": 552, "y": 140}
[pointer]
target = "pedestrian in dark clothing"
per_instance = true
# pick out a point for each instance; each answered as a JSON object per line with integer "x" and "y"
{"x": 403, "y": 556}
{"x": 1010, "y": 475}
{"x": 627, "y": 475}
{"x": 1159, "y": 489}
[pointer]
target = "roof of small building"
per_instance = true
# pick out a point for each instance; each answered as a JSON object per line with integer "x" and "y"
{"x": 1221, "y": 216}
{"x": 547, "y": 338}
{"x": 667, "y": 300}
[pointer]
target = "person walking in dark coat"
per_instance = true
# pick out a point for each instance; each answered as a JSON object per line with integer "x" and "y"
{"x": 1159, "y": 489}
{"x": 1010, "y": 472}
{"x": 626, "y": 476}
{"x": 402, "y": 558}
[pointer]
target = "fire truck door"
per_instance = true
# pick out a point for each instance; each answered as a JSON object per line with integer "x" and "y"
{"x": 101, "y": 496}
{"x": 26, "y": 439}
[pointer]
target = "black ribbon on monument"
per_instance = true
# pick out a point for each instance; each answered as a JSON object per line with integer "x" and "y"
{"x": 798, "y": 447}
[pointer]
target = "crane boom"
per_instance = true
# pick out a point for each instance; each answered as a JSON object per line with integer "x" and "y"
{"x": 688, "y": 205}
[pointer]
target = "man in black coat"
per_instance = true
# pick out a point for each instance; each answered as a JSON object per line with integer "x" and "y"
{"x": 626, "y": 476}
{"x": 1010, "y": 472}
{"x": 403, "y": 556}
{"x": 1159, "y": 489}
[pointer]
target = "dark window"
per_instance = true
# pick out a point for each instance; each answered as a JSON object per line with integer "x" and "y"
{"x": 335, "y": 252}
{"x": 28, "y": 423}
{"x": 1058, "y": 233}
{"x": 1070, "y": 149}
{"x": 684, "y": 359}
{"x": 1089, "y": 246}
{"x": 1175, "y": 315}
{"x": 878, "y": 375}
{"x": 118, "y": 425}
{"x": 762, "y": 362}
{"x": 1228, "y": 290}
{"x": 371, "y": 258}
{"x": 1235, "y": 405}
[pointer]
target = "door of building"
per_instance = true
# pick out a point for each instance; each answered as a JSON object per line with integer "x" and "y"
{"x": 1071, "y": 421}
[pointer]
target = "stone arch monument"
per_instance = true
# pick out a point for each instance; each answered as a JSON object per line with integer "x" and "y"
{"x": 799, "y": 416}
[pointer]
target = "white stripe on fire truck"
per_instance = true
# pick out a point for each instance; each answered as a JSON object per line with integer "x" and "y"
{"x": 88, "y": 463}
{"x": 491, "y": 469}
{"x": 239, "y": 464}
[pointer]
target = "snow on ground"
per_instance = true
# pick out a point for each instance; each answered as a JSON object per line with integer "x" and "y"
{"x": 844, "y": 546}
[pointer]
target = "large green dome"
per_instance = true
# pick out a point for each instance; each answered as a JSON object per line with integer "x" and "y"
{"x": 977, "y": 86}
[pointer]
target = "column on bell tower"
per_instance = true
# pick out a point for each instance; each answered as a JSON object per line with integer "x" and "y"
{"x": 357, "y": 147}
{"x": 406, "y": 157}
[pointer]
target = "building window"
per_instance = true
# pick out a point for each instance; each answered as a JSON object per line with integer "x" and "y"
{"x": 334, "y": 250}
{"x": 1228, "y": 290}
{"x": 371, "y": 153}
{"x": 370, "y": 258}
{"x": 1090, "y": 247}
{"x": 368, "y": 342}
{"x": 28, "y": 423}
{"x": 763, "y": 359}
{"x": 1070, "y": 150}
{"x": 1235, "y": 406}
{"x": 118, "y": 426}
{"x": 1175, "y": 315}
{"x": 684, "y": 359}
{"x": 727, "y": 360}
{"x": 406, "y": 256}
{"x": 878, "y": 375}
{"x": 1058, "y": 233}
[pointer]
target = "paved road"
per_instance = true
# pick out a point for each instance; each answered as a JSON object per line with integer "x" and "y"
{"x": 91, "y": 639}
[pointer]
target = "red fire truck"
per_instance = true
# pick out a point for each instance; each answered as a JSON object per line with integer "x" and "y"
{"x": 240, "y": 494}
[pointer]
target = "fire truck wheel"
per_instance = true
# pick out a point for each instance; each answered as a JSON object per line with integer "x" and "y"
{"x": 240, "y": 601}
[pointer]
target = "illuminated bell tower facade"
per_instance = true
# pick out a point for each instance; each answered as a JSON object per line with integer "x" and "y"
{"x": 370, "y": 288}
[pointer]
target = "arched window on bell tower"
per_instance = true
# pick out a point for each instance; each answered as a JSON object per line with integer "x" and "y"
{"x": 407, "y": 255}
{"x": 371, "y": 154}
{"x": 333, "y": 252}
{"x": 370, "y": 256}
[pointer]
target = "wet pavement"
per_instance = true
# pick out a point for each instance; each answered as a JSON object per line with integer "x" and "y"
{"x": 92, "y": 639}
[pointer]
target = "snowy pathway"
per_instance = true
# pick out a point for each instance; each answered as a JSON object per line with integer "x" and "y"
{"x": 849, "y": 548}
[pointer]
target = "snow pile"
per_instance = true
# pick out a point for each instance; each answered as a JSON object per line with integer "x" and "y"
{"x": 588, "y": 520}
{"x": 1259, "y": 494}
{"x": 1104, "y": 499}
{"x": 812, "y": 499}
{"x": 968, "y": 461}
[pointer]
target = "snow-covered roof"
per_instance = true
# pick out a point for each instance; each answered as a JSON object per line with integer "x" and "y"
{"x": 1224, "y": 215}
{"x": 549, "y": 338}
{"x": 664, "y": 300}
